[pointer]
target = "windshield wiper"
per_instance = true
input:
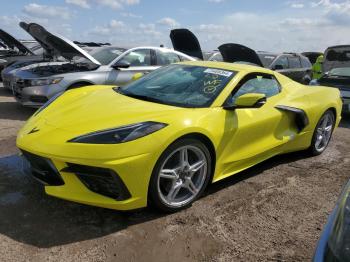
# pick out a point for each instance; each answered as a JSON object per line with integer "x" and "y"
{"x": 140, "y": 97}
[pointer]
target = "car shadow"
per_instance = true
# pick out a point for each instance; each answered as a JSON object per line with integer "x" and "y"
{"x": 14, "y": 111}
{"x": 256, "y": 170}
{"x": 345, "y": 122}
{"x": 30, "y": 216}
{"x": 4, "y": 92}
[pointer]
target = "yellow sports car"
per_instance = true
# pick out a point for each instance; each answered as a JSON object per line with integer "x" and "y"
{"x": 163, "y": 138}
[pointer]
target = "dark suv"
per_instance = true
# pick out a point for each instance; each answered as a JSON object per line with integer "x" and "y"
{"x": 292, "y": 65}
{"x": 295, "y": 66}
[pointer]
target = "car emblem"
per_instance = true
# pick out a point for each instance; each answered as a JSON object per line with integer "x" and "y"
{"x": 34, "y": 130}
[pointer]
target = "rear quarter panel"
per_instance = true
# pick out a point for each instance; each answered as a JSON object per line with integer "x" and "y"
{"x": 321, "y": 99}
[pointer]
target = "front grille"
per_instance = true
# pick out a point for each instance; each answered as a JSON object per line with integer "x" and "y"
{"x": 38, "y": 99}
{"x": 102, "y": 181}
{"x": 43, "y": 169}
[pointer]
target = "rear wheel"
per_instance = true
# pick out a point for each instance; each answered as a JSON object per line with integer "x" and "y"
{"x": 323, "y": 133}
{"x": 180, "y": 175}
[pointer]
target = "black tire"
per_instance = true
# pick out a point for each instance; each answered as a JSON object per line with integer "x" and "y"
{"x": 313, "y": 150}
{"x": 154, "y": 198}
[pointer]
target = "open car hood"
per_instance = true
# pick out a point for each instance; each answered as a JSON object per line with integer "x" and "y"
{"x": 239, "y": 53}
{"x": 48, "y": 49}
{"x": 12, "y": 42}
{"x": 335, "y": 57}
{"x": 185, "y": 41}
{"x": 59, "y": 44}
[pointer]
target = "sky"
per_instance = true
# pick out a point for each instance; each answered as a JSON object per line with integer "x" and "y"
{"x": 269, "y": 25}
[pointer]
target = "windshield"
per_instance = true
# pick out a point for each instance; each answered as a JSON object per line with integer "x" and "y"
{"x": 267, "y": 59}
{"x": 180, "y": 85}
{"x": 341, "y": 71}
{"x": 107, "y": 55}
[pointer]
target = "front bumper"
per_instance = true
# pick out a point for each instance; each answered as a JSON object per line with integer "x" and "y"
{"x": 34, "y": 96}
{"x": 131, "y": 166}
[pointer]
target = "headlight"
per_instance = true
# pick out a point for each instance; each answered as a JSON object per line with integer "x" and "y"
{"x": 3, "y": 61}
{"x": 48, "y": 103}
{"x": 120, "y": 135}
{"x": 45, "y": 81}
{"x": 313, "y": 82}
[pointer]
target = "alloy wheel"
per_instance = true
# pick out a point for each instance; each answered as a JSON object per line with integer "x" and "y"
{"x": 182, "y": 176}
{"x": 324, "y": 132}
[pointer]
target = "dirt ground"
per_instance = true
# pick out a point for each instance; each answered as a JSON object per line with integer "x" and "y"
{"x": 272, "y": 212}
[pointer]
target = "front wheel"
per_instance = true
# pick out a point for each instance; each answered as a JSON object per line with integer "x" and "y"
{"x": 323, "y": 133}
{"x": 180, "y": 175}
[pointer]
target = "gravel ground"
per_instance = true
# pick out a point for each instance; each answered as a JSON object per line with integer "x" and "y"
{"x": 272, "y": 212}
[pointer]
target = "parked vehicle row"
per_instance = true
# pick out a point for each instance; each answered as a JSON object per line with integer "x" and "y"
{"x": 33, "y": 84}
{"x": 336, "y": 68}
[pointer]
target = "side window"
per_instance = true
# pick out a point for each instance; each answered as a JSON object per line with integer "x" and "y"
{"x": 166, "y": 58}
{"x": 262, "y": 84}
{"x": 282, "y": 61}
{"x": 294, "y": 62}
{"x": 141, "y": 57}
{"x": 305, "y": 62}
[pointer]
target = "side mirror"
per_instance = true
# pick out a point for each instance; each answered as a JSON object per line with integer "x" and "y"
{"x": 278, "y": 67}
{"x": 136, "y": 76}
{"x": 250, "y": 100}
{"x": 120, "y": 64}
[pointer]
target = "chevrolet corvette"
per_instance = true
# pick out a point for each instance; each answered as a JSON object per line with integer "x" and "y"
{"x": 163, "y": 138}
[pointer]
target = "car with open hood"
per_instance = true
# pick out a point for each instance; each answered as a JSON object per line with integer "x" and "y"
{"x": 45, "y": 55}
{"x": 336, "y": 72}
{"x": 185, "y": 41}
{"x": 292, "y": 65}
{"x": 37, "y": 83}
{"x": 15, "y": 51}
{"x": 163, "y": 138}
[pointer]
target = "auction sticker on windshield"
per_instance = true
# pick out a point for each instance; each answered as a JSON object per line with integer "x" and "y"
{"x": 218, "y": 72}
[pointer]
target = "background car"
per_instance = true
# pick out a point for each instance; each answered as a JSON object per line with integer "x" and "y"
{"x": 334, "y": 243}
{"x": 312, "y": 56}
{"x": 15, "y": 51}
{"x": 37, "y": 83}
{"x": 293, "y": 65}
{"x": 185, "y": 41}
{"x": 336, "y": 72}
{"x": 163, "y": 138}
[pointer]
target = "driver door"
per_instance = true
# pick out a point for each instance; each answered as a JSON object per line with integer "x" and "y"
{"x": 140, "y": 60}
{"x": 255, "y": 133}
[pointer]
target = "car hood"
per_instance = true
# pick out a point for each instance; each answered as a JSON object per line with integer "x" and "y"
{"x": 335, "y": 57}
{"x": 12, "y": 42}
{"x": 100, "y": 107}
{"x": 61, "y": 45}
{"x": 48, "y": 49}
{"x": 239, "y": 53}
{"x": 185, "y": 41}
